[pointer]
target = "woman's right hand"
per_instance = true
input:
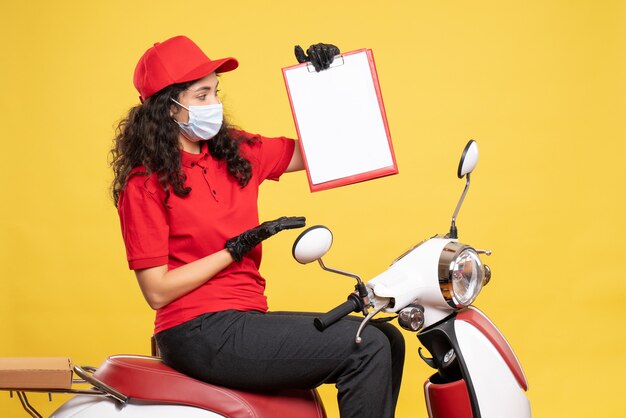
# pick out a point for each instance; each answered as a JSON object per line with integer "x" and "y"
{"x": 243, "y": 243}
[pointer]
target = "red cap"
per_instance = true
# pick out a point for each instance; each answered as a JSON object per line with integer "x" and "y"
{"x": 176, "y": 60}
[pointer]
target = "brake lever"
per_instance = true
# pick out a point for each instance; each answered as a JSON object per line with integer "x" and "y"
{"x": 367, "y": 319}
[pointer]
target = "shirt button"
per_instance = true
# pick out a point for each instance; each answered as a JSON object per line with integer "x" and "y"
{"x": 204, "y": 171}
{"x": 214, "y": 192}
{"x": 193, "y": 164}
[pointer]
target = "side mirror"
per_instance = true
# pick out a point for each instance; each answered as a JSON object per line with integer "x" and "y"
{"x": 469, "y": 159}
{"x": 312, "y": 244}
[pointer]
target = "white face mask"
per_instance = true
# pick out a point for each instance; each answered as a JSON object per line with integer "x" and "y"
{"x": 204, "y": 121}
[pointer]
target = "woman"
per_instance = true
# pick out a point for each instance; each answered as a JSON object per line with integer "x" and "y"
{"x": 186, "y": 187}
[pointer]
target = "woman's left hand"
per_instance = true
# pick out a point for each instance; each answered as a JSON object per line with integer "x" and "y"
{"x": 320, "y": 55}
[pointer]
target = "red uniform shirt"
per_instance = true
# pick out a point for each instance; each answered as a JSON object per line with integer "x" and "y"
{"x": 194, "y": 226}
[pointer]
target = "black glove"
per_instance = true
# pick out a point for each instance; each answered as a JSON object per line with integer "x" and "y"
{"x": 320, "y": 55}
{"x": 241, "y": 244}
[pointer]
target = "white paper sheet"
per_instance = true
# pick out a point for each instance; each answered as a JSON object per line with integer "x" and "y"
{"x": 339, "y": 118}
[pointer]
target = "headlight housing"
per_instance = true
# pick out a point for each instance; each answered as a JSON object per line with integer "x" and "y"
{"x": 461, "y": 274}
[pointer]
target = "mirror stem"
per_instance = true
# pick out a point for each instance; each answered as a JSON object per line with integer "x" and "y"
{"x": 359, "y": 288}
{"x": 344, "y": 273}
{"x": 453, "y": 230}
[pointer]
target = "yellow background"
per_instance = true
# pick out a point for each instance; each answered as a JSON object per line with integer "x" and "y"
{"x": 540, "y": 85}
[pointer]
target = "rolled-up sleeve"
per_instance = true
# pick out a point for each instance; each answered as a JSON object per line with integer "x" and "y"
{"x": 270, "y": 157}
{"x": 144, "y": 227}
{"x": 278, "y": 153}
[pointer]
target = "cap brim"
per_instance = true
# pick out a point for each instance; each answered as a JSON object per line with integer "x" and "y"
{"x": 219, "y": 66}
{"x": 227, "y": 64}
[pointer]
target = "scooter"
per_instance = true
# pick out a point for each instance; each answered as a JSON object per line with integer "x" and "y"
{"x": 431, "y": 288}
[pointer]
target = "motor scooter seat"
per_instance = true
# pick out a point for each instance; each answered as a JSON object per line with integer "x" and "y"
{"x": 149, "y": 379}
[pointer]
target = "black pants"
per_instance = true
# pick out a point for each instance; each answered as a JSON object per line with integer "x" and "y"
{"x": 279, "y": 350}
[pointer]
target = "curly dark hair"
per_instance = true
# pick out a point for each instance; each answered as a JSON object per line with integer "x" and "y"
{"x": 148, "y": 137}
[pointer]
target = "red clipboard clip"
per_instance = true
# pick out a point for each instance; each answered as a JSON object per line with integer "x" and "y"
{"x": 337, "y": 61}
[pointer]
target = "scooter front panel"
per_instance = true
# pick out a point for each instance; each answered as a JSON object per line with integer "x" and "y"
{"x": 478, "y": 319}
{"x": 497, "y": 390}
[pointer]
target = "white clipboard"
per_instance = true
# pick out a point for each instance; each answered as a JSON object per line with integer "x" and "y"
{"x": 341, "y": 122}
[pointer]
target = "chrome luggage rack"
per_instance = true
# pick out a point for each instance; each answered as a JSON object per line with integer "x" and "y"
{"x": 85, "y": 373}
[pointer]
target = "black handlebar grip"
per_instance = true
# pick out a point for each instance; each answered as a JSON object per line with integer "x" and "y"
{"x": 353, "y": 304}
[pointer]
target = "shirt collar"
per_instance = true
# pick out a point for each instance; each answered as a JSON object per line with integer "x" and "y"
{"x": 189, "y": 159}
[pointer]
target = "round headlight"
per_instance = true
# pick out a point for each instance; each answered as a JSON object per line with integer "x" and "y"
{"x": 461, "y": 274}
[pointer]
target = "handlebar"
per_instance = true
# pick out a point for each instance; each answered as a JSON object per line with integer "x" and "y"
{"x": 353, "y": 304}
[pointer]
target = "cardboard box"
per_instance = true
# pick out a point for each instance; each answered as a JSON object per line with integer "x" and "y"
{"x": 35, "y": 373}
